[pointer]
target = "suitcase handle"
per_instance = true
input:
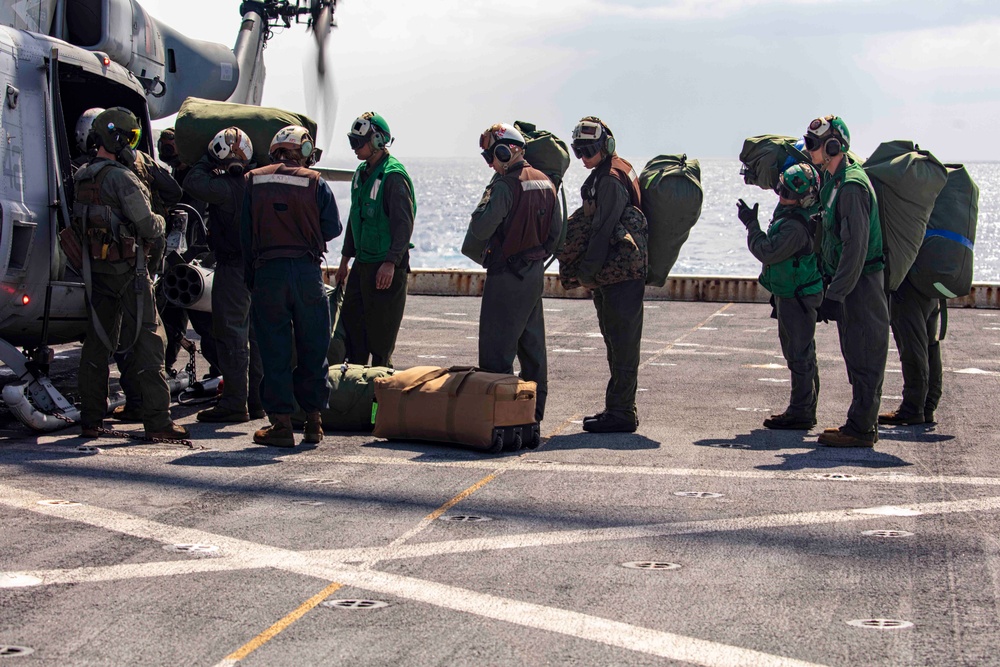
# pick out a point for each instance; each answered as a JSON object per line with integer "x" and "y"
{"x": 441, "y": 372}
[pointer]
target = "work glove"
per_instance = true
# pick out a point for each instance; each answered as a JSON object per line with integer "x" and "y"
{"x": 830, "y": 310}
{"x": 747, "y": 215}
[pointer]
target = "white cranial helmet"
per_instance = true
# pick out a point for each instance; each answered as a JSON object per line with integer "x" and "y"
{"x": 84, "y": 125}
{"x": 233, "y": 148}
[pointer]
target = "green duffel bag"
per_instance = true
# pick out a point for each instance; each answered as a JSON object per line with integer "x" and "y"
{"x": 544, "y": 151}
{"x": 550, "y": 155}
{"x": 198, "y": 121}
{"x": 943, "y": 267}
{"x": 352, "y": 393}
{"x": 907, "y": 181}
{"x": 764, "y": 157}
{"x": 671, "y": 196}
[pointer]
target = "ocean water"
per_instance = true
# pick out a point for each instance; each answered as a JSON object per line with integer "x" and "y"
{"x": 447, "y": 191}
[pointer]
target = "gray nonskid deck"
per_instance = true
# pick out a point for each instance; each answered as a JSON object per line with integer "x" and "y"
{"x": 768, "y": 531}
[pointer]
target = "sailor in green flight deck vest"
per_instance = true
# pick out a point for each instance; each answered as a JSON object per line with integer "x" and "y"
{"x": 791, "y": 273}
{"x": 378, "y": 237}
{"x": 852, "y": 262}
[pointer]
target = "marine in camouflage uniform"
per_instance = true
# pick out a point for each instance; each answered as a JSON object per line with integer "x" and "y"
{"x": 112, "y": 216}
{"x": 613, "y": 263}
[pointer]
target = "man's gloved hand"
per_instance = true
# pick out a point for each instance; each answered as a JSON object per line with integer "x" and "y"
{"x": 830, "y": 310}
{"x": 747, "y": 214}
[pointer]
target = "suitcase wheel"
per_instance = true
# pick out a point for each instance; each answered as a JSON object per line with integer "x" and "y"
{"x": 497, "y": 446}
{"x": 535, "y": 441}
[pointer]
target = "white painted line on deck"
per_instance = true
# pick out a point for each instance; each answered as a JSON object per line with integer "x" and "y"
{"x": 551, "y": 619}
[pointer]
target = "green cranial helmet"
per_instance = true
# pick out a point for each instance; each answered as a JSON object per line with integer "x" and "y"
{"x": 370, "y": 126}
{"x": 117, "y": 128}
{"x": 823, "y": 130}
{"x": 800, "y": 183}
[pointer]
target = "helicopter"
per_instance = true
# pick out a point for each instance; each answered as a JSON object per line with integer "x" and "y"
{"x": 59, "y": 58}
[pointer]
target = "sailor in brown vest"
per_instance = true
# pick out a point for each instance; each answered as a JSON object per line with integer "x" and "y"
{"x": 112, "y": 216}
{"x": 289, "y": 214}
{"x": 514, "y": 229}
{"x": 614, "y": 267}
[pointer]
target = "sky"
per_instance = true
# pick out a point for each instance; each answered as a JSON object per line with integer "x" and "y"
{"x": 671, "y": 76}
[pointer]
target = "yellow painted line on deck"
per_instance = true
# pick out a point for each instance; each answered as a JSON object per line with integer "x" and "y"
{"x": 278, "y": 627}
{"x": 312, "y": 602}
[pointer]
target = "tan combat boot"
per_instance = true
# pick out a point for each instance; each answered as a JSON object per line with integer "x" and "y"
{"x": 314, "y": 428}
{"x": 278, "y": 434}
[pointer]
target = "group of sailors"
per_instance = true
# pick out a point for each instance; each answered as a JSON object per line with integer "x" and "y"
{"x": 270, "y": 326}
{"x": 842, "y": 280}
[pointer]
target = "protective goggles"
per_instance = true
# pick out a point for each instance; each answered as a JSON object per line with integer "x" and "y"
{"x": 360, "y": 131}
{"x": 588, "y": 150}
{"x": 130, "y": 137}
{"x": 818, "y": 128}
{"x": 357, "y": 141}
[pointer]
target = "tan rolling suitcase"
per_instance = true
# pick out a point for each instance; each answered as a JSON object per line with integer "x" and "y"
{"x": 462, "y": 405}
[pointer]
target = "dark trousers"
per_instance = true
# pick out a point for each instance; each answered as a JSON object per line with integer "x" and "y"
{"x": 114, "y": 303}
{"x": 797, "y": 334}
{"x": 864, "y": 342}
{"x": 914, "y": 320}
{"x": 291, "y": 315}
{"x": 619, "y": 314}
{"x": 512, "y": 324}
{"x": 372, "y": 316}
{"x": 239, "y": 358}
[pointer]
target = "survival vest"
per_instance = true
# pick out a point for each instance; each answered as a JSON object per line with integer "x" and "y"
{"x": 103, "y": 224}
{"x": 369, "y": 221}
{"x": 284, "y": 213}
{"x": 525, "y": 230}
{"x": 832, "y": 247}
{"x": 621, "y": 171}
{"x": 798, "y": 275}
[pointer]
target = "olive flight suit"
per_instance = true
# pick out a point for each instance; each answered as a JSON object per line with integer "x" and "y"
{"x": 381, "y": 224}
{"x": 914, "y": 319}
{"x": 118, "y": 291}
{"x": 516, "y": 225}
{"x": 791, "y": 274}
{"x": 853, "y": 262}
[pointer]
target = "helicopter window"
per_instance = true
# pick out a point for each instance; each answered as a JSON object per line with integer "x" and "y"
{"x": 84, "y": 22}
{"x": 20, "y": 247}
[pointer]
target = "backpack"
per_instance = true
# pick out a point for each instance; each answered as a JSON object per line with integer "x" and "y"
{"x": 550, "y": 155}
{"x": 907, "y": 181}
{"x": 943, "y": 267}
{"x": 671, "y": 196}
{"x": 764, "y": 157}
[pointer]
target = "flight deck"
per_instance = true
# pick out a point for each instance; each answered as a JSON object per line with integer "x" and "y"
{"x": 702, "y": 539}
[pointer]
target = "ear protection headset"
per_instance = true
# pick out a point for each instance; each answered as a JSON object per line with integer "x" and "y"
{"x": 837, "y": 143}
{"x": 306, "y": 148}
{"x": 503, "y": 153}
